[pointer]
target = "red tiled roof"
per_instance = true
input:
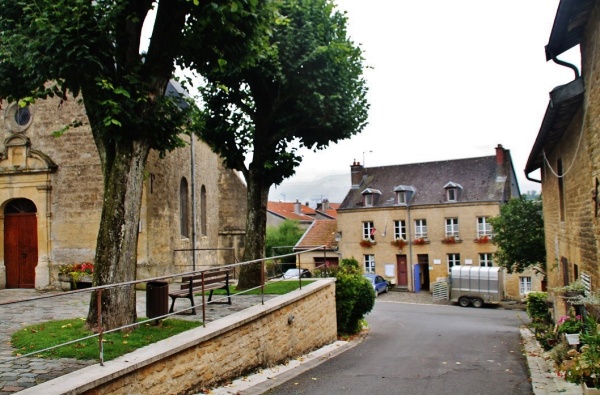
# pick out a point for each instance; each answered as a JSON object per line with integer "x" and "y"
{"x": 287, "y": 210}
{"x": 321, "y": 232}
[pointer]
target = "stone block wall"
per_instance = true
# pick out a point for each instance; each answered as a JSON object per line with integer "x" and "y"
{"x": 227, "y": 348}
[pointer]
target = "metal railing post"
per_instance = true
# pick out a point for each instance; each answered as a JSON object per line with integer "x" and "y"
{"x": 100, "y": 326}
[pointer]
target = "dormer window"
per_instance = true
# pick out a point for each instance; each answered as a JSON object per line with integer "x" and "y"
{"x": 404, "y": 194}
{"x": 370, "y": 196}
{"x": 452, "y": 191}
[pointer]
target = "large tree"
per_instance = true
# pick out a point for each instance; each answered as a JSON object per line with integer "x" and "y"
{"x": 92, "y": 48}
{"x": 306, "y": 90}
{"x": 519, "y": 234}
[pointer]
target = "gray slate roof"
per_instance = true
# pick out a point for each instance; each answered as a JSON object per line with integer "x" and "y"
{"x": 477, "y": 176}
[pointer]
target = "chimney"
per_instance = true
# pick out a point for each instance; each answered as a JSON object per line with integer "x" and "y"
{"x": 297, "y": 207}
{"x": 357, "y": 172}
{"x": 499, "y": 155}
{"x": 502, "y": 166}
{"x": 325, "y": 205}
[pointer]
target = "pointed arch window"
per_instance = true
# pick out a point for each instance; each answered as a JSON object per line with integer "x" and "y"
{"x": 203, "y": 219}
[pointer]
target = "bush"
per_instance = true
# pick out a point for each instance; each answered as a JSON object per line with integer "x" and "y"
{"x": 536, "y": 307}
{"x": 354, "y": 297}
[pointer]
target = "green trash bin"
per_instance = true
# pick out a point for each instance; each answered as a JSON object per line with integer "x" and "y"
{"x": 157, "y": 299}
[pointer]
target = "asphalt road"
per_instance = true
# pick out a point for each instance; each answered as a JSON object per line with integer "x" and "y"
{"x": 426, "y": 349}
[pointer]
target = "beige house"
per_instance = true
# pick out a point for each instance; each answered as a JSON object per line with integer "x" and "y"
{"x": 193, "y": 210}
{"x": 321, "y": 233}
{"x": 412, "y": 223}
{"x": 566, "y": 152}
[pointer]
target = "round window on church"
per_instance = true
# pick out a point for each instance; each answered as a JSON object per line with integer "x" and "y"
{"x": 18, "y": 118}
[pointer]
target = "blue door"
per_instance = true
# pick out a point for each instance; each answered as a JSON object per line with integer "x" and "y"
{"x": 417, "y": 278}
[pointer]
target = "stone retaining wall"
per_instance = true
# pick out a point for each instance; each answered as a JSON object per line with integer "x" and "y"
{"x": 263, "y": 335}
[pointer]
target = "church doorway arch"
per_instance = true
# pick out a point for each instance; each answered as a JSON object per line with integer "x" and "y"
{"x": 20, "y": 243}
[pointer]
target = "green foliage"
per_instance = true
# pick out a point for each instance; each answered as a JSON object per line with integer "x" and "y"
{"x": 537, "y": 309}
{"x": 51, "y": 333}
{"x": 519, "y": 234}
{"x": 272, "y": 288}
{"x": 354, "y": 298}
{"x": 285, "y": 235}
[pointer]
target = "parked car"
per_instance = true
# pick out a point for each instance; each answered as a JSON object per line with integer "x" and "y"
{"x": 295, "y": 273}
{"x": 380, "y": 285}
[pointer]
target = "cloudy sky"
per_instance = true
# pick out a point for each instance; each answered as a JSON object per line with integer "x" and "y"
{"x": 449, "y": 80}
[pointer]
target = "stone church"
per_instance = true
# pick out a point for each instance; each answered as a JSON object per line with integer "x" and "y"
{"x": 193, "y": 209}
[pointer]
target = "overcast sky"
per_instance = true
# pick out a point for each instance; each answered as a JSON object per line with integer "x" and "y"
{"x": 449, "y": 80}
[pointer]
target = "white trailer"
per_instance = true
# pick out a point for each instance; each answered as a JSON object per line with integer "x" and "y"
{"x": 474, "y": 285}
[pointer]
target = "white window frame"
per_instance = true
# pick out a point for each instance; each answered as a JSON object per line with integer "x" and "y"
{"x": 524, "y": 285}
{"x": 452, "y": 260}
{"x": 369, "y": 263}
{"x": 400, "y": 229}
{"x": 420, "y": 228}
{"x": 368, "y": 199}
{"x": 452, "y": 227}
{"x": 486, "y": 259}
{"x": 452, "y": 194}
{"x": 484, "y": 228}
{"x": 401, "y": 197}
{"x": 368, "y": 230}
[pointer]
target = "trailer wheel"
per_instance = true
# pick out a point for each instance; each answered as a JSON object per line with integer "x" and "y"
{"x": 464, "y": 302}
{"x": 477, "y": 303}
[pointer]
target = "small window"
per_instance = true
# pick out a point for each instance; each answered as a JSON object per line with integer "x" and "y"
{"x": 369, "y": 200}
{"x": 484, "y": 228}
{"x": 452, "y": 227}
{"x": 401, "y": 197}
{"x": 451, "y": 194}
{"x": 203, "y": 212}
{"x": 369, "y": 263}
{"x": 524, "y": 285}
{"x": 420, "y": 228}
{"x": 486, "y": 260}
{"x": 400, "y": 229}
{"x": 453, "y": 260}
{"x": 369, "y": 231}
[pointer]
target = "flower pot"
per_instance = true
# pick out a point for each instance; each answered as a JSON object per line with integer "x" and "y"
{"x": 572, "y": 338}
{"x": 589, "y": 390}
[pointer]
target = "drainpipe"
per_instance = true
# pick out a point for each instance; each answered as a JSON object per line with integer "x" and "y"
{"x": 566, "y": 64}
{"x": 193, "y": 185}
{"x": 409, "y": 236}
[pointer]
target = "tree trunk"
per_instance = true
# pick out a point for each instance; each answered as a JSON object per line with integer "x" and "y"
{"x": 256, "y": 228}
{"x": 116, "y": 250}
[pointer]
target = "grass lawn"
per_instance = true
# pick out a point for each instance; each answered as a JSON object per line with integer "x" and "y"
{"x": 273, "y": 288}
{"x": 51, "y": 333}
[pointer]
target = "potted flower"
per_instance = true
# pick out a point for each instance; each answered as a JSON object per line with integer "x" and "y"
{"x": 420, "y": 241}
{"x": 571, "y": 327}
{"x": 576, "y": 288}
{"x": 483, "y": 239}
{"x": 400, "y": 243}
{"x": 78, "y": 274}
{"x": 449, "y": 240}
{"x": 366, "y": 243}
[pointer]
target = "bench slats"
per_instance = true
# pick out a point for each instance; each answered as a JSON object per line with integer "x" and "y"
{"x": 194, "y": 284}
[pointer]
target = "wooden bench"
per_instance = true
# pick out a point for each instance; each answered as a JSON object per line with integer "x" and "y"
{"x": 207, "y": 281}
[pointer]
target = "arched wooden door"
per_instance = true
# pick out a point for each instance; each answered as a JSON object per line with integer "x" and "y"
{"x": 20, "y": 243}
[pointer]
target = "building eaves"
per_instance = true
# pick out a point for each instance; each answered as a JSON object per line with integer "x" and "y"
{"x": 565, "y": 101}
{"x": 569, "y": 26}
{"x": 321, "y": 232}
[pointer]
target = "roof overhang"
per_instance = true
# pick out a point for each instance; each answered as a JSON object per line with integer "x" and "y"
{"x": 565, "y": 101}
{"x": 569, "y": 26}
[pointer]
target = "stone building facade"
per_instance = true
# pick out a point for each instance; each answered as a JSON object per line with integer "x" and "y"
{"x": 51, "y": 192}
{"x": 567, "y": 152}
{"x": 412, "y": 223}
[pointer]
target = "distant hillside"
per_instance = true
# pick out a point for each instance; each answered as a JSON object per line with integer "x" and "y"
{"x": 333, "y": 187}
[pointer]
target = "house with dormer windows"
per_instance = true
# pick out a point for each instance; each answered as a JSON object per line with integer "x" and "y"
{"x": 411, "y": 223}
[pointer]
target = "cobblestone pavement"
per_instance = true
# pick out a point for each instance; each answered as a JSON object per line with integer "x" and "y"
{"x": 17, "y": 374}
